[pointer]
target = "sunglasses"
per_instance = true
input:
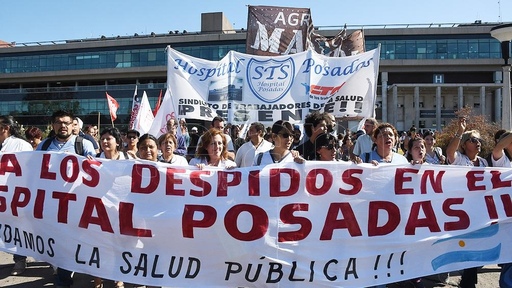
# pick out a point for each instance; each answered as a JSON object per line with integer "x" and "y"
{"x": 328, "y": 147}
{"x": 286, "y": 135}
{"x": 475, "y": 140}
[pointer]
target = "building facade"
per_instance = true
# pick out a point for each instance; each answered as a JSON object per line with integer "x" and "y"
{"x": 427, "y": 72}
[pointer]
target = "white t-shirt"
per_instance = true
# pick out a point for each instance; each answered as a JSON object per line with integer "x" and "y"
{"x": 222, "y": 164}
{"x": 266, "y": 159}
{"x": 177, "y": 160}
{"x": 363, "y": 145}
{"x": 502, "y": 162}
{"x": 14, "y": 144}
{"x": 463, "y": 160}
{"x": 122, "y": 156}
{"x": 246, "y": 153}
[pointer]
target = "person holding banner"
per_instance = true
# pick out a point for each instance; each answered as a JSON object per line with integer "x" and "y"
{"x": 148, "y": 147}
{"x": 500, "y": 158}
{"x": 463, "y": 150}
{"x": 385, "y": 137}
{"x": 11, "y": 140}
{"x": 326, "y": 146}
{"x": 167, "y": 143}
{"x": 282, "y": 136}
{"x": 110, "y": 141}
{"x": 212, "y": 151}
{"x": 65, "y": 141}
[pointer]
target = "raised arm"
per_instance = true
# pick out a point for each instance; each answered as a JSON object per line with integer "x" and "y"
{"x": 455, "y": 142}
{"x": 497, "y": 151}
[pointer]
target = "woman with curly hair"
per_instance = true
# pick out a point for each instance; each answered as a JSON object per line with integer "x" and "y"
{"x": 212, "y": 151}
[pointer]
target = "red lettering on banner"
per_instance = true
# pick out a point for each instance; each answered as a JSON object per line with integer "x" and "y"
{"x": 3, "y": 203}
{"x": 39, "y": 204}
{"x": 435, "y": 181}
{"x": 126, "y": 222}
{"x": 188, "y": 223}
{"x": 276, "y": 182}
{"x": 347, "y": 177}
{"x": 287, "y": 216}
{"x": 20, "y": 199}
{"x": 223, "y": 183}
{"x": 414, "y": 221}
{"x": 88, "y": 167}
{"x": 326, "y": 184}
{"x": 171, "y": 181}
{"x": 9, "y": 163}
{"x": 393, "y": 213}
{"x": 195, "y": 178}
{"x": 259, "y": 222}
{"x": 137, "y": 173}
{"x": 427, "y": 176}
{"x": 65, "y": 167}
{"x": 497, "y": 182}
{"x": 102, "y": 220}
{"x": 463, "y": 222}
{"x": 45, "y": 166}
{"x": 332, "y": 222}
{"x": 63, "y": 207}
{"x": 400, "y": 179}
{"x": 473, "y": 177}
{"x": 254, "y": 183}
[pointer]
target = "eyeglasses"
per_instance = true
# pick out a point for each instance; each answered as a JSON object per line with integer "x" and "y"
{"x": 62, "y": 123}
{"x": 286, "y": 135}
{"x": 475, "y": 140}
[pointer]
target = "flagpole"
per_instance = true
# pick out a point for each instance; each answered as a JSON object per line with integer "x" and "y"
{"x": 99, "y": 122}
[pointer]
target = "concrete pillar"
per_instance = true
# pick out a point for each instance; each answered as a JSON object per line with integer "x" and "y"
{"x": 439, "y": 105}
{"x": 482, "y": 101}
{"x": 498, "y": 77}
{"x": 394, "y": 105}
{"x": 384, "y": 95}
{"x": 460, "y": 98}
{"x": 416, "y": 106}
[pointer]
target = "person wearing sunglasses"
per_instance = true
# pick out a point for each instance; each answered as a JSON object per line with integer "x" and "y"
{"x": 325, "y": 147}
{"x": 282, "y": 137}
{"x": 464, "y": 147}
{"x": 463, "y": 150}
{"x": 132, "y": 138}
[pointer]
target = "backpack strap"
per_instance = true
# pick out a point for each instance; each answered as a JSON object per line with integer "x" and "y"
{"x": 47, "y": 143}
{"x": 79, "y": 145}
{"x": 367, "y": 157}
{"x": 258, "y": 160}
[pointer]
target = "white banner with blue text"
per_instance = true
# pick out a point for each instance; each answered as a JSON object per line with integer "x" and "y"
{"x": 270, "y": 88}
{"x": 318, "y": 224}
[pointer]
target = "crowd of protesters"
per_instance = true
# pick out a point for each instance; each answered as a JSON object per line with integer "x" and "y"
{"x": 223, "y": 145}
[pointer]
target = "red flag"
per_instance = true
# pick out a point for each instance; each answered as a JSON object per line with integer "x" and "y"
{"x": 157, "y": 106}
{"x": 112, "y": 106}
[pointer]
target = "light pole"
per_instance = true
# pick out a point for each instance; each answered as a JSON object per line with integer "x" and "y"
{"x": 504, "y": 34}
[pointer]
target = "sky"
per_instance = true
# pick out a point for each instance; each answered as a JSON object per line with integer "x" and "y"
{"x": 25, "y": 21}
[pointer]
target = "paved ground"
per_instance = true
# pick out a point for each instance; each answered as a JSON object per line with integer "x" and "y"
{"x": 40, "y": 274}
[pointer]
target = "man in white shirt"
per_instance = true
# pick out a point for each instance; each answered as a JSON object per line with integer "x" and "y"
{"x": 364, "y": 142}
{"x": 246, "y": 153}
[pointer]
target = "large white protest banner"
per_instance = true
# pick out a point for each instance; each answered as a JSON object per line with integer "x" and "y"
{"x": 318, "y": 224}
{"x": 271, "y": 88}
